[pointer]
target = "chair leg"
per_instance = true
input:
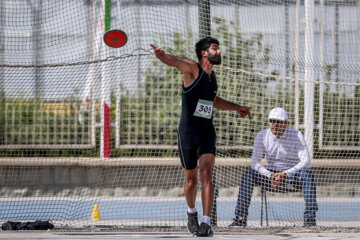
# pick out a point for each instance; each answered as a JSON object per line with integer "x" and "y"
{"x": 262, "y": 207}
{"x": 266, "y": 210}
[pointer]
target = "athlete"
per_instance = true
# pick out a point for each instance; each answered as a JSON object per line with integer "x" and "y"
{"x": 196, "y": 134}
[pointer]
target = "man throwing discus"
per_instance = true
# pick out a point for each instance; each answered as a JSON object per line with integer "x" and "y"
{"x": 196, "y": 133}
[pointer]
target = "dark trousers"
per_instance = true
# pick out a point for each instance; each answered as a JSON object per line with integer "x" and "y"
{"x": 303, "y": 179}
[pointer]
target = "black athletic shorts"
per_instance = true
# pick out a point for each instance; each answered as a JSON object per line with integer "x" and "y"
{"x": 193, "y": 146}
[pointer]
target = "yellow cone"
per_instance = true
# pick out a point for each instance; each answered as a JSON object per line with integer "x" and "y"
{"x": 95, "y": 214}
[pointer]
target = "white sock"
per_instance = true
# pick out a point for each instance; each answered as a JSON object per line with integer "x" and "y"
{"x": 206, "y": 219}
{"x": 192, "y": 210}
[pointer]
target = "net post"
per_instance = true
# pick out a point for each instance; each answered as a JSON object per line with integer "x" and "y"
{"x": 309, "y": 74}
{"x": 2, "y": 61}
{"x": 107, "y": 18}
{"x": 105, "y": 146}
{"x": 205, "y": 31}
{"x": 213, "y": 217}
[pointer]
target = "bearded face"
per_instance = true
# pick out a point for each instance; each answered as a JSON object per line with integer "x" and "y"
{"x": 214, "y": 59}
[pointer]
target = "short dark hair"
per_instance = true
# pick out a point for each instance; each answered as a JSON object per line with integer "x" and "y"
{"x": 203, "y": 45}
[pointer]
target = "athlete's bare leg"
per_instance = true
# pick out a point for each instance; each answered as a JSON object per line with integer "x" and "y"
{"x": 206, "y": 163}
{"x": 190, "y": 187}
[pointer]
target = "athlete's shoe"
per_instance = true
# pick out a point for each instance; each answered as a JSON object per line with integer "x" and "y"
{"x": 238, "y": 222}
{"x": 204, "y": 231}
{"x": 193, "y": 224}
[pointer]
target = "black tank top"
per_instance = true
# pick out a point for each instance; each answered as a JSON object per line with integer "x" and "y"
{"x": 204, "y": 89}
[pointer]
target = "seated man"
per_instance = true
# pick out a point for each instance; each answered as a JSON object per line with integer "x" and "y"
{"x": 288, "y": 162}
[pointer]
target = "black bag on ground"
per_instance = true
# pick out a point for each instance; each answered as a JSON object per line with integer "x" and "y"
{"x": 37, "y": 225}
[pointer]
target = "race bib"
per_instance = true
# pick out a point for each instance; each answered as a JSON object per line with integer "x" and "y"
{"x": 204, "y": 109}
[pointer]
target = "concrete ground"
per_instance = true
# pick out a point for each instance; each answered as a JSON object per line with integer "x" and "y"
{"x": 244, "y": 234}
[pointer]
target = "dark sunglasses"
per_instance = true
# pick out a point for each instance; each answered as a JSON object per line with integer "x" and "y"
{"x": 276, "y": 121}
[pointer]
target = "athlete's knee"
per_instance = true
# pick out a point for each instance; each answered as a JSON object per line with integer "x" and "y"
{"x": 190, "y": 183}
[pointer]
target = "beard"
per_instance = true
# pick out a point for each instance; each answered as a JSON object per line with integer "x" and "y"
{"x": 215, "y": 59}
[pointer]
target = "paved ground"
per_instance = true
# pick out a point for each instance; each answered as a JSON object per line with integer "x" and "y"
{"x": 268, "y": 234}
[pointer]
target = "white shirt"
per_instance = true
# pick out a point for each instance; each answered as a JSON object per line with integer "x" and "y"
{"x": 287, "y": 153}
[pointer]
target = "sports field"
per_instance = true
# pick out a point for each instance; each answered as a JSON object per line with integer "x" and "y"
{"x": 272, "y": 234}
{"x": 125, "y": 212}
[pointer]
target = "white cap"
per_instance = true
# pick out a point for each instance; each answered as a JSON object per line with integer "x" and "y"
{"x": 279, "y": 114}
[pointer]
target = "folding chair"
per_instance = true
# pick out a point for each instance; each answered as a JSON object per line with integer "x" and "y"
{"x": 283, "y": 189}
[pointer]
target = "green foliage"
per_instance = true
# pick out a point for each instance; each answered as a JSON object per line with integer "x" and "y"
{"x": 27, "y": 121}
{"x": 241, "y": 54}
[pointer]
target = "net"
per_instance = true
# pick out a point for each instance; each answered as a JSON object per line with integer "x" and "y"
{"x": 83, "y": 124}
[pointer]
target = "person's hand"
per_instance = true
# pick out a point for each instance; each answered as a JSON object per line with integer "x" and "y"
{"x": 244, "y": 111}
{"x": 277, "y": 179}
{"x": 159, "y": 52}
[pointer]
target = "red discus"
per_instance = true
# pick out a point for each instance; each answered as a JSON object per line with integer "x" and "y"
{"x": 115, "y": 38}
